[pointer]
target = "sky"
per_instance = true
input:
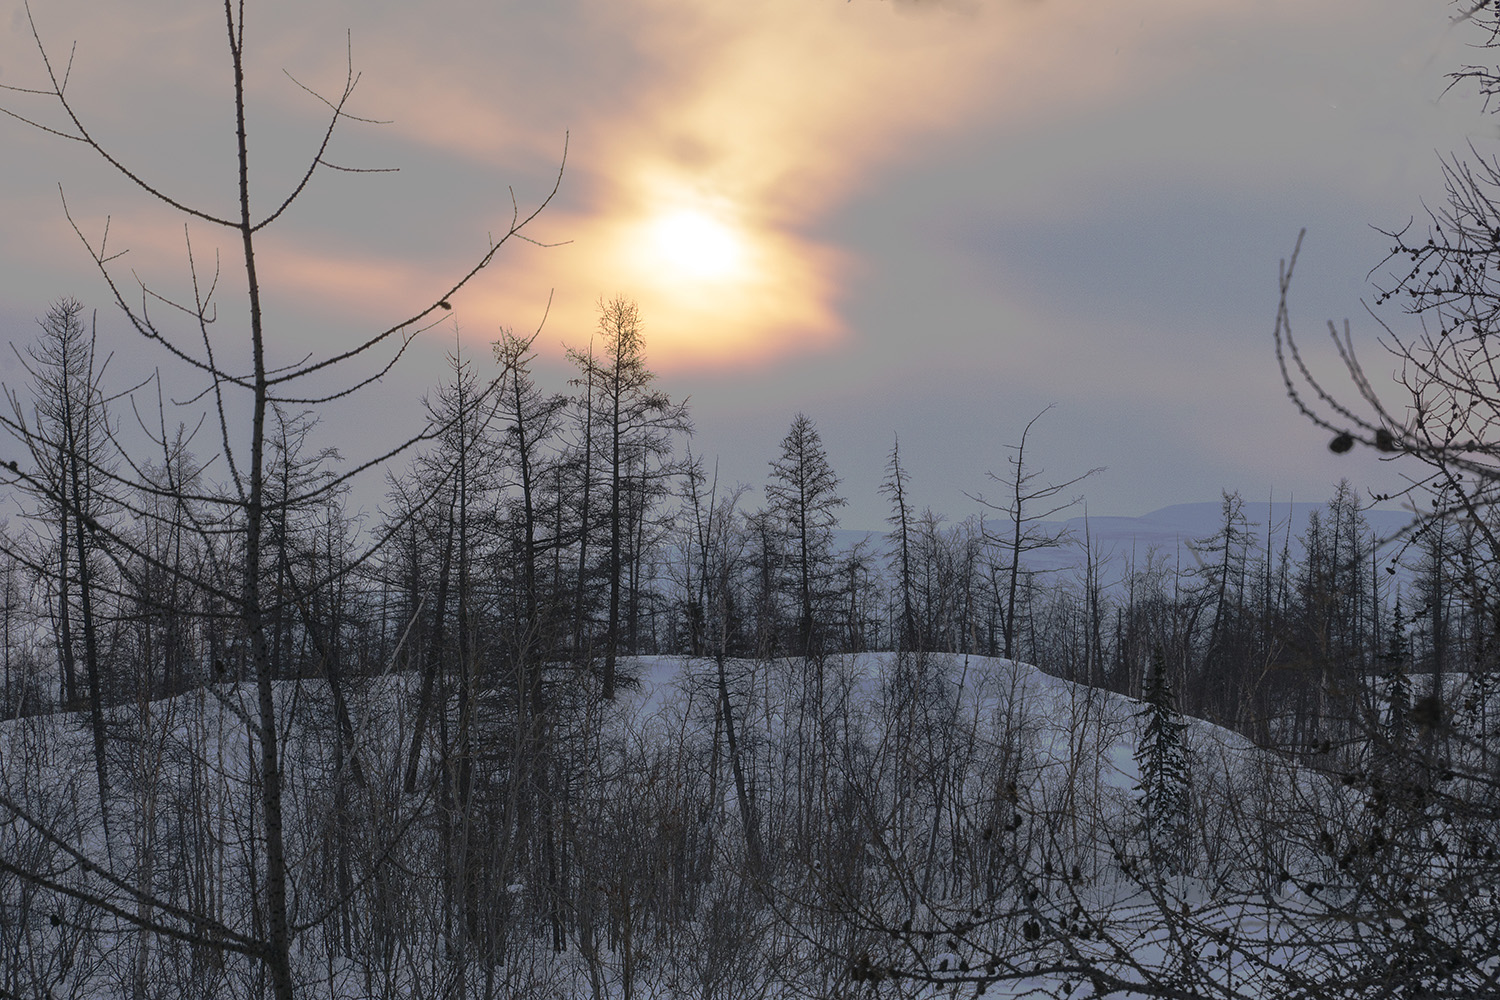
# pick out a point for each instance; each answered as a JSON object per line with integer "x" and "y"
{"x": 924, "y": 218}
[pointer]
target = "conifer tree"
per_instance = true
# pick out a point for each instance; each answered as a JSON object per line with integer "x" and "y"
{"x": 1398, "y": 682}
{"x": 1163, "y": 762}
{"x": 803, "y": 496}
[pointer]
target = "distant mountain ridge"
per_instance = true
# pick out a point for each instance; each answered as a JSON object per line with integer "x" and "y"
{"x": 1188, "y": 525}
{"x": 1172, "y": 531}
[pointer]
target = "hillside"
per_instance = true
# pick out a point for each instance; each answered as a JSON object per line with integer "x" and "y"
{"x": 909, "y": 823}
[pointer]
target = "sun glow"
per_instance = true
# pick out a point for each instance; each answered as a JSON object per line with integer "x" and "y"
{"x": 692, "y": 244}
{"x": 721, "y": 277}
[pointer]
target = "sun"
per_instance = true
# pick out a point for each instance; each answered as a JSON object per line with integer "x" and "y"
{"x": 718, "y": 281}
{"x": 690, "y": 243}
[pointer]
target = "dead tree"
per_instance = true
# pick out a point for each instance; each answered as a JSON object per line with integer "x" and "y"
{"x": 246, "y": 370}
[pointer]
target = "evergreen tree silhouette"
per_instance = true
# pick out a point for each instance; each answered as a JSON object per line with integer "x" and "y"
{"x": 1165, "y": 782}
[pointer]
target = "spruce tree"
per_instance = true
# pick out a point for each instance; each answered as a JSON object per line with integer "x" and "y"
{"x": 1163, "y": 762}
{"x": 1397, "y": 680}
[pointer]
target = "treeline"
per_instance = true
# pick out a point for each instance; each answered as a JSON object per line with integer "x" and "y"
{"x": 443, "y": 680}
{"x": 546, "y": 532}
{"x": 474, "y": 797}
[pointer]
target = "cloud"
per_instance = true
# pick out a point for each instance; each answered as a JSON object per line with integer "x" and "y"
{"x": 784, "y": 110}
{"x": 773, "y": 115}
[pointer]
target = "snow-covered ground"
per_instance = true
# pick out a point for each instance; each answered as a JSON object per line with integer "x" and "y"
{"x": 928, "y": 824}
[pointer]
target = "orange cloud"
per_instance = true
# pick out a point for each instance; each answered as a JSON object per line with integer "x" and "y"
{"x": 760, "y": 117}
{"x": 768, "y": 116}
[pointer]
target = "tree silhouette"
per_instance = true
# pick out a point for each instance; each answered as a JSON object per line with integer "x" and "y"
{"x": 245, "y": 376}
{"x": 1165, "y": 783}
{"x": 803, "y": 495}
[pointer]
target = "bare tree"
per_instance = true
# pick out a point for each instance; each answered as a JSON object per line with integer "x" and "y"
{"x": 67, "y": 436}
{"x": 245, "y": 374}
{"x": 636, "y": 426}
{"x": 1029, "y": 501}
{"x": 894, "y": 488}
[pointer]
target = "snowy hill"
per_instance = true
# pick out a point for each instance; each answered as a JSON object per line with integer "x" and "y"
{"x": 775, "y": 829}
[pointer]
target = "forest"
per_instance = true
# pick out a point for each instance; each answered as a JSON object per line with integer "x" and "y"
{"x": 575, "y": 719}
{"x": 572, "y": 717}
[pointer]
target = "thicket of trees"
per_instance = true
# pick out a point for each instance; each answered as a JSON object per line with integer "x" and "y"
{"x": 465, "y": 795}
{"x": 251, "y": 746}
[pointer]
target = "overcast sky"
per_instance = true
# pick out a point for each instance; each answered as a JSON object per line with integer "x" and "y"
{"x": 919, "y": 218}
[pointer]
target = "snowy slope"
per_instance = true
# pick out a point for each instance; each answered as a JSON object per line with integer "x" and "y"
{"x": 913, "y": 769}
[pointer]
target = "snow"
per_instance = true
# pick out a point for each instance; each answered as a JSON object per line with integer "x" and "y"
{"x": 1070, "y": 752}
